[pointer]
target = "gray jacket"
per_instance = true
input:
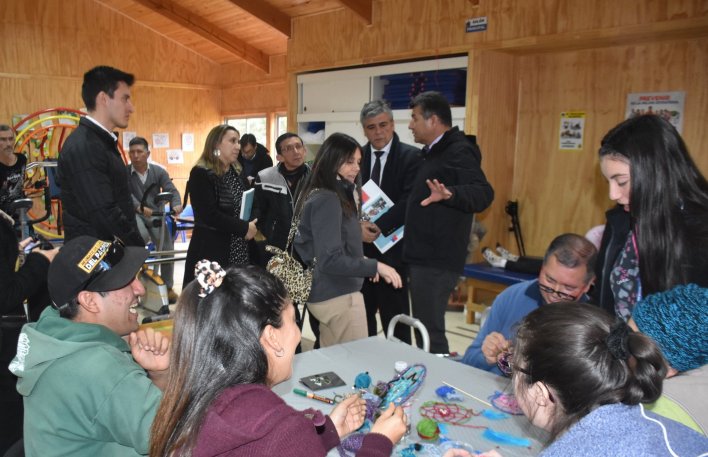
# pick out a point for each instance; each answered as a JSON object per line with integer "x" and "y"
{"x": 334, "y": 240}
{"x": 162, "y": 183}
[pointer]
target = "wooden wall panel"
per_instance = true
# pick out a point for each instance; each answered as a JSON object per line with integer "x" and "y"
{"x": 414, "y": 28}
{"x": 564, "y": 191}
{"x": 247, "y": 90}
{"x": 492, "y": 110}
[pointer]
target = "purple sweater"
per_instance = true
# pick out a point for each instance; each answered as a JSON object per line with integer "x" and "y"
{"x": 251, "y": 420}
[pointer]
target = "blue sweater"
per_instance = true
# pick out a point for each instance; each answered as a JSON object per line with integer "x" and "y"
{"x": 627, "y": 431}
{"x": 512, "y": 305}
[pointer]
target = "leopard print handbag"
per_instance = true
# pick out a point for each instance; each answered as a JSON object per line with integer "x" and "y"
{"x": 296, "y": 277}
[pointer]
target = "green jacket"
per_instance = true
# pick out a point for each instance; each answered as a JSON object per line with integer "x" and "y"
{"x": 84, "y": 395}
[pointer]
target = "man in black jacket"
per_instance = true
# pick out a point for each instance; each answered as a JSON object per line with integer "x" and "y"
{"x": 448, "y": 189}
{"x": 395, "y": 173}
{"x": 253, "y": 158}
{"x": 91, "y": 173}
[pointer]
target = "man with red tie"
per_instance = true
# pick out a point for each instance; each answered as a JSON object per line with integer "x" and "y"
{"x": 96, "y": 199}
{"x": 392, "y": 165}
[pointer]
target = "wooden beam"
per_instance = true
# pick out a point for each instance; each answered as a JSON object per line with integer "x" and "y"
{"x": 362, "y": 8}
{"x": 209, "y": 32}
{"x": 266, "y": 13}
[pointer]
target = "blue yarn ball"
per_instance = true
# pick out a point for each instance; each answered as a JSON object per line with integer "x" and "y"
{"x": 677, "y": 320}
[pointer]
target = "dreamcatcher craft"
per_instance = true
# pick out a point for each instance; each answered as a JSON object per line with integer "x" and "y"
{"x": 397, "y": 391}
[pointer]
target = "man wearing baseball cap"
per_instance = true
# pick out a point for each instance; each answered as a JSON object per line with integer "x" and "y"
{"x": 91, "y": 381}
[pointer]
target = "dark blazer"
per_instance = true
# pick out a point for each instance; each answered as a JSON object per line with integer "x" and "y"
{"x": 397, "y": 179}
{"x": 95, "y": 196}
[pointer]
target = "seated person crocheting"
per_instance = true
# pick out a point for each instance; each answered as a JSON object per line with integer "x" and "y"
{"x": 678, "y": 321}
{"x": 566, "y": 274}
{"x": 90, "y": 379}
{"x": 219, "y": 399}
{"x": 582, "y": 375}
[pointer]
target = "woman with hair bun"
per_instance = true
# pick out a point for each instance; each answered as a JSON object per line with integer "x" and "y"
{"x": 583, "y": 375}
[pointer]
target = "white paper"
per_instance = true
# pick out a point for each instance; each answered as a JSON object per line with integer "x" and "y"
{"x": 160, "y": 140}
{"x": 188, "y": 142}
{"x": 175, "y": 156}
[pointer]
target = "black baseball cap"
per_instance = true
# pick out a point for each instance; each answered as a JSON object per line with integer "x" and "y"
{"x": 87, "y": 263}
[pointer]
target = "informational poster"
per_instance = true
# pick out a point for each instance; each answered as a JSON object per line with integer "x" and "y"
{"x": 175, "y": 156}
{"x": 188, "y": 142}
{"x": 668, "y": 105}
{"x": 476, "y": 24}
{"x": 160, "y": 140}
{"x": 572, "y": 130}
{"x": 127, "y": 136}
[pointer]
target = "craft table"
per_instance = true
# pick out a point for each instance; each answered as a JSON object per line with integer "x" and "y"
{"x": 378, "y": 356}
{"x": 482, "y": 276}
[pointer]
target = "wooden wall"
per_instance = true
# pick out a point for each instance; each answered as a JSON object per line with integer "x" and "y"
{"x": 537, "y": 59}
{"x": 47, "y": 45}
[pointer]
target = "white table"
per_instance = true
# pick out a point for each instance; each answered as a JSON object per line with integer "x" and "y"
{"x": 378, "y": 356}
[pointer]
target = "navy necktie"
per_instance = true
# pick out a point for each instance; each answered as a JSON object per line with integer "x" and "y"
{"x": 376, "y": 172}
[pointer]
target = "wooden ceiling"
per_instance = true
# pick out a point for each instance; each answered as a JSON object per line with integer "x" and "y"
{"x": 231, "y": 30}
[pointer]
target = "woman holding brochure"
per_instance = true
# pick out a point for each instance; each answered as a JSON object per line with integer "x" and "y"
{"x": 216, "y": 191}
{"x": 329, "y": 238}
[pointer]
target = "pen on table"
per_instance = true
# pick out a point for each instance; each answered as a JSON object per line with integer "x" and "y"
{"x": 313, "y": 396}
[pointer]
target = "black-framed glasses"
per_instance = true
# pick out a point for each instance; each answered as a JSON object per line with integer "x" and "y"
{"x": 112, "y": 257}
{"x": 557, "y": 293}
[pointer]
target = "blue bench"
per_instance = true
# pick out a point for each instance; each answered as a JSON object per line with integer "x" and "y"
{"x": 482, "y": 276}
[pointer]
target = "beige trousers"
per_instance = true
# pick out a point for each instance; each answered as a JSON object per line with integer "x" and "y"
{"x": 341, "y": 318}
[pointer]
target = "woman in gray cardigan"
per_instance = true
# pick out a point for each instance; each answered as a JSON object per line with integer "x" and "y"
{"x": 329, "y": 237}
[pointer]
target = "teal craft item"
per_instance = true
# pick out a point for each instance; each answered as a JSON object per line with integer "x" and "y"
{"x": 505, "y": 438}
{"x": 362, "y": 381}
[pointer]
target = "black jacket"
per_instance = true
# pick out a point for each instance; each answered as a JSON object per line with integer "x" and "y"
{"x": 274, "y": 203}
{"x": 250, "y": 168}
{"x": 95, "y": 196}
{"x": 613, "y": 239}
{"x": 397, "y": 180}
{"x": 437, "y": 235}
{"x": 214, "y": 220}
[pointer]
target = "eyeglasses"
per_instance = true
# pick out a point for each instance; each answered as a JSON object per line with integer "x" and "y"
{"x": 110, "y": 259}
{"x": 559, "y": 294}
{"x": 294, "y": 147}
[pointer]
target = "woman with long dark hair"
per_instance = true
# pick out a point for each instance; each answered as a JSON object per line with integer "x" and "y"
{"x": 329, "y": 237}
{"x": 216, "y": 190}
{"x": 583, "y": 375}
{"x": 234, "y": 338}
{"x": 657, "y": 236}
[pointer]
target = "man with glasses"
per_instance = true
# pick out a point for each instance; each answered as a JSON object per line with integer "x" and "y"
{"x": 277, "y": 190}
{"x": 91, "y": 381}
{"x": 566, "y": 275}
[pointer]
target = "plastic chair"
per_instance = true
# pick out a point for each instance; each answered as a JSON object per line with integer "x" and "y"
{"x": 412, "y": 322}
{"x": 182, "y": 226}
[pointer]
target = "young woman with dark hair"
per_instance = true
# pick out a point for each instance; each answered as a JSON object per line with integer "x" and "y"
{"x": 657, "y": 236}
{"x": 582, "y": 374}
{"x": 234, "y": 338}
{"x": 215, "y": 189}
{"x": 329, "y": 237}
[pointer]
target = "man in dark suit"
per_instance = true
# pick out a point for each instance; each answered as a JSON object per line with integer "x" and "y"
{"x": 393, "y": 166}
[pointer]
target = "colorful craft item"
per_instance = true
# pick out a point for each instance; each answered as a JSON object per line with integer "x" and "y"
{"x": 403, "y": 386}
{"x": 448, "y": 413}
{"x": 506, "y": 438}
{"x": 448, "y": 394}
{"x": 494, "y": 415}
{"x": 428, "y": 429}
{"x": 313, "y": 396}
{"x": 504, "y": 362}
{"x": 362, "y": 381}
{"x": 506, "y": 402}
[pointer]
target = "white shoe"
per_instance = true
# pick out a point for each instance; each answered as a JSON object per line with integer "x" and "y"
{"x": 493, "y": 259}
{"x": 506, "y": 254}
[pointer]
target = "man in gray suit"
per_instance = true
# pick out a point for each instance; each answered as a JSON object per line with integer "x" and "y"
{"x": 152, "y": 179}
